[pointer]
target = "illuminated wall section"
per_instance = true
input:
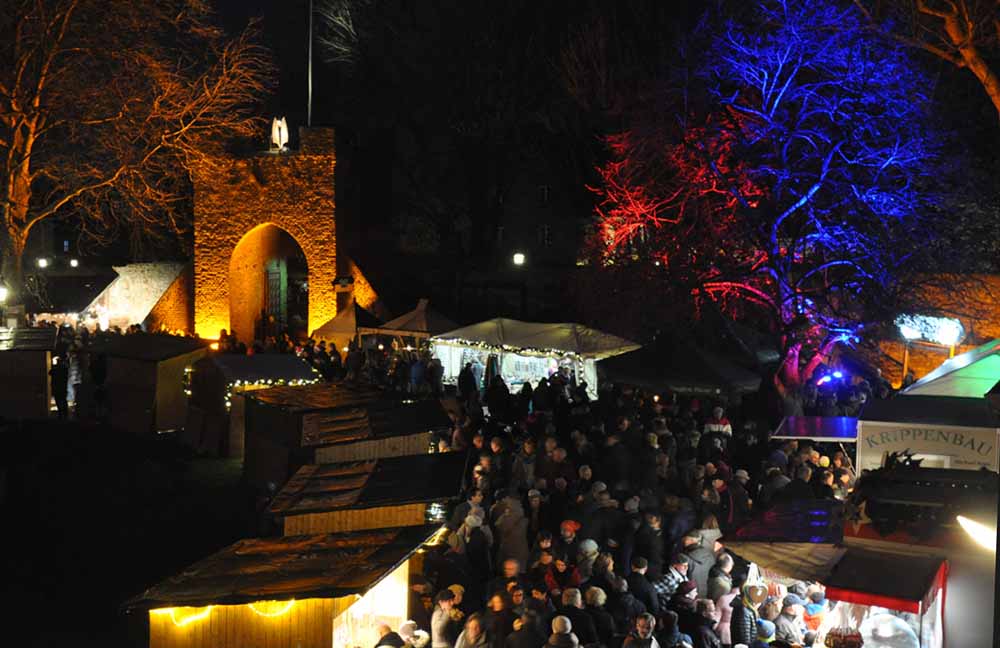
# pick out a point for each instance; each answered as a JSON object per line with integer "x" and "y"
{"x": 265, "y": 624}
{"x": 384, "y": 603}
{"x": 293, "y": 192}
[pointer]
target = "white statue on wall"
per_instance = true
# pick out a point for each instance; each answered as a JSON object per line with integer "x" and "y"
{"x": 279, "y": 133}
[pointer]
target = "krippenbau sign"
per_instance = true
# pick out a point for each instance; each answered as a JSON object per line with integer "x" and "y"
{"x": 966, "y": 447}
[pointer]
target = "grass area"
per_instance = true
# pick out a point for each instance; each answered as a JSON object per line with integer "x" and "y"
{"x": 93, "y": 517}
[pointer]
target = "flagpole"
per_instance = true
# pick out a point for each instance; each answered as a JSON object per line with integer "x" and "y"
{"x": 309, "y": 106}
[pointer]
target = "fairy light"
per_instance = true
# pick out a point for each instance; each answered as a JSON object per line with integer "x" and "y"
{"x": 264, "y": 383}
{"x": 280, "y": 608}
{"x": 183, "y": 621}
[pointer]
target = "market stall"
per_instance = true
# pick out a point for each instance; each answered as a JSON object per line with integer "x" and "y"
{"x": 345, "y": 326}
{"x": 317, "y": 591}
{"x": 288, "y": 427}
{"x": 942, "y": 431}
{"x": 419, "y": 324}
{"x": 25, "y": 360}
{"x": 528, "y": 351}
{"x": 396, "y": 491}
{"x": 682, "y": 369}
{"x": 893, "y": 597}
{"x": 215, "y": 386}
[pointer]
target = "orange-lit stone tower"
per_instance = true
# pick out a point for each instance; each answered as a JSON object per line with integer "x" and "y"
{"x": 249, "y": 210}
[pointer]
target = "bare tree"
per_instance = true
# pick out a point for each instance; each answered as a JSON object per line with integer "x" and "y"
{"x": 103, "y": 106}
{"x": 965, "y": 33}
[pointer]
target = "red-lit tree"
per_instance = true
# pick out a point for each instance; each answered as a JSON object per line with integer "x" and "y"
{"x": 793, "y": 190}
{"x": 102, "y": 105}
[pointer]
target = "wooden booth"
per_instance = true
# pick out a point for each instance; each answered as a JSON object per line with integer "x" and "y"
{"x": 216, "y": 385}
{"x": 146, "y": 374}
{"x": 318, "y": 591}
{"x": 396, "y": 492}
{"x": 289, "y": 427}
{"x": 25, "y": 360}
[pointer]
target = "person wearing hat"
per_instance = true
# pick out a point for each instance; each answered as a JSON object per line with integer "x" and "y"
{"x": 666, "y": 585}
{"x": 743, "y": 624}
{"x": 683, "y": 603}
{"x": 788, "y": 626}
{"x": 765, "y": 634}
{"x": 568, "y": 542}
{"x": 412, "y": 636}
{"x": 441, "y": 619}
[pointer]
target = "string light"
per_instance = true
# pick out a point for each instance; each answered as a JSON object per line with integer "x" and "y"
{"x": 191, "y": 618}
{"x": 281, "y": 607}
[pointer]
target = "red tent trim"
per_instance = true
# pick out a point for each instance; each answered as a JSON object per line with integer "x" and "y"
{"x": 863, "y": 598}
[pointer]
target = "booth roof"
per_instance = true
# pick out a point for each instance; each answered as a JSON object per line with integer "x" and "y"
{"x": 145, "y": 346}
{"x": 563, "y": 337}
{"x": 422, "y": 321}
{"x": 934, "y": 410}
{"x": 969, "y": 375}
{"x": 354, "y": 413}
{"x": 313, "y": 566}
{"x": 897, "y": 580}
{"x": 262, "y": 366}
{"x": 818, "y": 428}
{"x": 383, "y": 482}
{"x": 28, "y": 339}
{"x": 683, "y": 369}
{"x": 346, "y": 323}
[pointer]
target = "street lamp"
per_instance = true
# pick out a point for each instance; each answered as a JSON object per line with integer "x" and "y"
{"x": 518, "y": 258}
{"x": 73, "y": 263}
{"x": 43, "y": 263}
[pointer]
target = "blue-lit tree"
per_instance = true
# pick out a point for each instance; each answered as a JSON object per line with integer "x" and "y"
{"x": 795, "y": 186}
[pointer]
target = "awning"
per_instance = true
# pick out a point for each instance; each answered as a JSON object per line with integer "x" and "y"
{"x": 517, "y": 336}
{"x": 969, "y": 375}
{"x": 422, "y": 321}
{"x": 898, "y": 581}
{"x": 831, "y": 429}
{"x": 803, "y": 561}
{"x": 685, "y": 369}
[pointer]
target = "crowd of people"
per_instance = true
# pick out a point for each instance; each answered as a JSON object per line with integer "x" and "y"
{"x": 598, "y": 523}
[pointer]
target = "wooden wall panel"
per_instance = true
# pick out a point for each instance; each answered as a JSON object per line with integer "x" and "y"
{"x": 382, "y": 517}
{"x": 308, "y": 624}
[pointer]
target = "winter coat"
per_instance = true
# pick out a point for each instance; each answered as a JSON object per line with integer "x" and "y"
{"x": 498, "y": 625}
{"x": 701, "y": 560}
{"x": 787, "y": 628}
{"x": 642, "y": 589}
{"x": 557, "y": 581}
{"x": 719, "y": 583}
{"x": 522, "y": 472}
{"x": 583, "y": 624}
{"x": 440, "y": 629}
{"x": 704, "y": 636}
{"x": 604, "y": 624}
{"x": 391, "y": 640}
{"x": 625, "y": 607}
{"x": 724, "y": 604}
{"x": 649, "y": 545}
{"x": 526, "y": 637}
{"x": 743, "y": 624}
{"x": 512, "y": 536}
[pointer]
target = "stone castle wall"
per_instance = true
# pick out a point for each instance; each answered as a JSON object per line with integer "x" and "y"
{"x": 293, "y": 191}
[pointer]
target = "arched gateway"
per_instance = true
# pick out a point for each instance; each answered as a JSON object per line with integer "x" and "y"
{"x": 265, "y": 231}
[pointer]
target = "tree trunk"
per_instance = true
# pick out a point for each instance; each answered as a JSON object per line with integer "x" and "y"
{"x": 12, "y": 271}
{"x": 973, "y": 59}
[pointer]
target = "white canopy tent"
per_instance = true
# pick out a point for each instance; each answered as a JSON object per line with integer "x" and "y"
{"x": 529, "y": 351}
{"x": 421, "y": 322}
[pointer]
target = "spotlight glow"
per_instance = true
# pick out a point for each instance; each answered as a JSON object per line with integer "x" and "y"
{"x": 983, "y": 535}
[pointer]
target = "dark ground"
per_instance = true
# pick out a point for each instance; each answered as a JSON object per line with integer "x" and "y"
{"x": 92, "y": 517}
